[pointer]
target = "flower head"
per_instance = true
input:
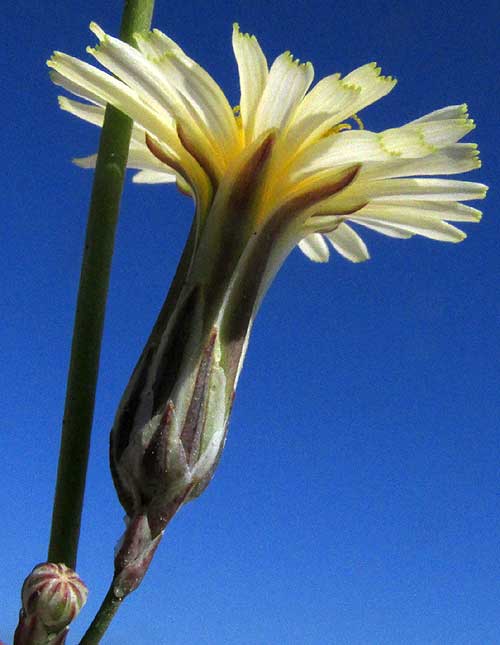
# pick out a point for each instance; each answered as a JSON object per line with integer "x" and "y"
{"x": 287, "y": 167}
{"x": 317, "y": 173}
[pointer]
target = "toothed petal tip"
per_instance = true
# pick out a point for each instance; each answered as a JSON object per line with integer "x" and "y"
{"x": 484, "y": 191}
{"x": 97, "y": 31}
{"x": 52, "y": 61}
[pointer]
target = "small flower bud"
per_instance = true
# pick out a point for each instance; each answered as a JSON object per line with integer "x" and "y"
{"x": 55, "y": 593}
{"x": 52, "y": 596}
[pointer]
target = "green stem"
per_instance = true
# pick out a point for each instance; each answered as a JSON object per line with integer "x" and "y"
{"x": 90, "y": 310}
{"x": 102, "y": 619}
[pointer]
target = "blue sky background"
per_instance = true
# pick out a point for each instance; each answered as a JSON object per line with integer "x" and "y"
{"x": 357, "y": 499}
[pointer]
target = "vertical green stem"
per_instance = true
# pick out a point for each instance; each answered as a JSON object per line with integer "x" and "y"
{"x": 90, "y": 310}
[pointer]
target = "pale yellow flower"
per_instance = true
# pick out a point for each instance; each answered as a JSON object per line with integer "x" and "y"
{"x": 288, "y": 167}
{"x": 322, "y": 173}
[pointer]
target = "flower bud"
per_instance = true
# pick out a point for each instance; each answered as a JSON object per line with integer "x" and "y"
{"x": 52, "y": 597}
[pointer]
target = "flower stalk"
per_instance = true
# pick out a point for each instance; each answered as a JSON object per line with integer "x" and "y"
{"x": 90, "y": 311}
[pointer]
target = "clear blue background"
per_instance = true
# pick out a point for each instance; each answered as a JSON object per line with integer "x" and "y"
{"x": 357, "y": 499}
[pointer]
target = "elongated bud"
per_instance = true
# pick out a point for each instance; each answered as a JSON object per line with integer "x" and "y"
{"x": 52, "y": 597}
